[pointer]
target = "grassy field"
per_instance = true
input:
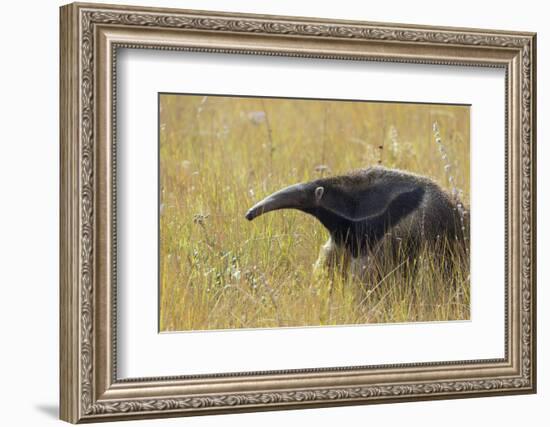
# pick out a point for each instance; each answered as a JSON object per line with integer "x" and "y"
{"x": 220, "y": 155}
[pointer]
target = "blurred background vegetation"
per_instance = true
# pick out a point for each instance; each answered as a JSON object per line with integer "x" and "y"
{"x": 220, "y": 155}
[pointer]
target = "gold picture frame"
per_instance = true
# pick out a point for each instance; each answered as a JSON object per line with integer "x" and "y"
{"x": 90, "y": 36}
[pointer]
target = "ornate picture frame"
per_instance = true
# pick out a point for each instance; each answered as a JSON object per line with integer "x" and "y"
{"x": 91, "y": 34}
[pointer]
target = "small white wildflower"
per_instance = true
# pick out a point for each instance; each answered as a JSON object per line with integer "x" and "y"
{"x": 256, "y": 117}
{"x": 394, "y": 140}
{"x": 186, "y": 164}
{"x": 322, "y": 168}
{"x": 223, "y": 132}
{"x": 201, "y": 105}
{"x": 200, "y": 218}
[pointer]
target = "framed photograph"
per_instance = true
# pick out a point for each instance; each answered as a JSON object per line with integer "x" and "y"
{"x": 265, "y": 212}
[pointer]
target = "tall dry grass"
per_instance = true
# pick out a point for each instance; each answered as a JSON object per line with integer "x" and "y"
{"x": 219, "y": 155}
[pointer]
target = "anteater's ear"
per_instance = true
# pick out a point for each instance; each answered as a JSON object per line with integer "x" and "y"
{"x": 319, "y": 191}
{"x": 373, "y": 201}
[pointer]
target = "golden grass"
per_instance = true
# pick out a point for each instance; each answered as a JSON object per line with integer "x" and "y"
{"x": 220, "y": 155}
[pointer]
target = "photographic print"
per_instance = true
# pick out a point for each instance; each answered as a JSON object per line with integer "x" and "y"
{"x": 280, "y": 212}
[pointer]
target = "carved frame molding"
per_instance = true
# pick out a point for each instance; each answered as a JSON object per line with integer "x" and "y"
{"x": 90, "y": 36}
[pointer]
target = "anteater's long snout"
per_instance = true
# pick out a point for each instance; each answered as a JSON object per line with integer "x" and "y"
{"x": 293, "y": 197}
{"x": 252, "y": 213}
